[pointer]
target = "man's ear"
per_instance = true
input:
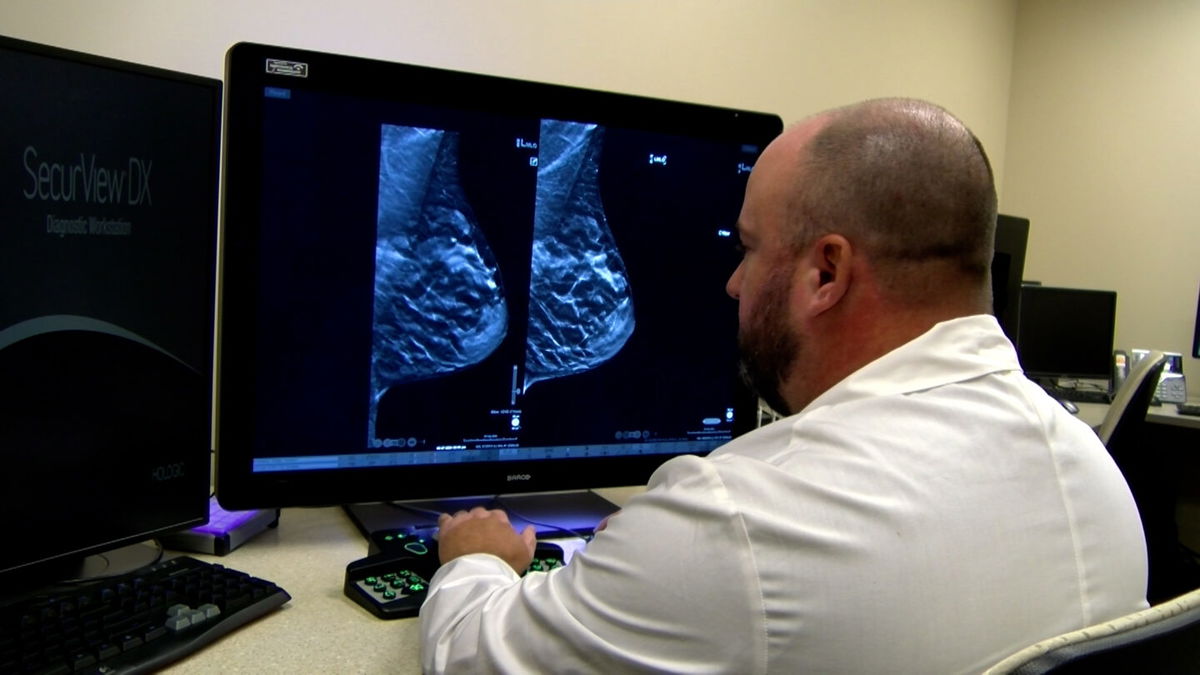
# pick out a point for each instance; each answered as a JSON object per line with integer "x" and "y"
{"x": 827, "y": 275}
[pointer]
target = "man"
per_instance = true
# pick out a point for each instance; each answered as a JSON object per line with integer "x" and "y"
{"x": 925, "y": 508}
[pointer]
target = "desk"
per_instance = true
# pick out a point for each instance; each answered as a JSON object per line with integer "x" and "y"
{"x": 1092, "y": 413}
{"x": 320, "y": 630}
{"x": 1166, "y": 414}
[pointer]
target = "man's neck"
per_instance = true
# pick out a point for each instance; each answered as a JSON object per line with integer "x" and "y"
{"x": 841, "y": 345}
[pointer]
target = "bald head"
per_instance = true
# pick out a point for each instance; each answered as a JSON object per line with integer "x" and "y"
{"x": 908, "y": 184}
{"x": 863, "y": 227}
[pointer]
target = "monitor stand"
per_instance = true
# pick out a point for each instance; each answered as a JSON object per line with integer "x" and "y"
{"x": 553, "y": 514}
{"x": 118, "y": 561}
{"x": 94, "y": 567}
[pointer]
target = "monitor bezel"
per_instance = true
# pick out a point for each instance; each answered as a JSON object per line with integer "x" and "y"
{"x": 246, "y": 76}
{"x": 76, "y": 545}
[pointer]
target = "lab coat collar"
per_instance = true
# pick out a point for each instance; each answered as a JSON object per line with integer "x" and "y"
{"x": 951, "y": 351}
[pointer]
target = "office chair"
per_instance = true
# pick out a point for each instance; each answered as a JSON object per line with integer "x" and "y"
{"x": 1125, "y": 433}
{"x": 1127, "y": 412}
{"x": 1163, "y": 639}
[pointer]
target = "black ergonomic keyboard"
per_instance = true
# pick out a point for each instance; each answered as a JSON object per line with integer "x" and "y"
{"x": 131, "y": 623}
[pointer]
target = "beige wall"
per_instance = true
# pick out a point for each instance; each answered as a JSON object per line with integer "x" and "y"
{"x": 791, "y": 57}
{"x": 1104, "y": 157}
{"x": 1095, "y": 140}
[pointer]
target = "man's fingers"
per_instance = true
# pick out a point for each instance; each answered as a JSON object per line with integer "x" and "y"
{"x": 447, "y": 520}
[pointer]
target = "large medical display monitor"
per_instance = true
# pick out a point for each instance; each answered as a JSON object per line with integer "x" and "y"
{"x": 441, "y": 284}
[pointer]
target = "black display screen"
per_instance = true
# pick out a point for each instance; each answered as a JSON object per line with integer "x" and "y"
{"x": 435, "y": 281}
{"x": 1067, "y": 332}
{"x": 107, "y": 275}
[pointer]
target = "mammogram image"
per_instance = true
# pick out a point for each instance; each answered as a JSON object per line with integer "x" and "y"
{"x": 439, "y": 295}
{"x": 580, "y": 300}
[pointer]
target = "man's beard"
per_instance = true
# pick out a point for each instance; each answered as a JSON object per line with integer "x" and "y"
{"x": 768, "y": 347}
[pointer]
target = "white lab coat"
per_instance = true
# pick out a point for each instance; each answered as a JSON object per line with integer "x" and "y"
{"x": 931, "y": 513}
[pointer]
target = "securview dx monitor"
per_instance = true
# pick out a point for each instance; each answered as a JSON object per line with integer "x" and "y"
{"x": 439, "y": 284}
{"x": 108, "y": 205}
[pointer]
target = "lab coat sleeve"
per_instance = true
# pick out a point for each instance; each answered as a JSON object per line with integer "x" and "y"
{"x": 670, "y": 585}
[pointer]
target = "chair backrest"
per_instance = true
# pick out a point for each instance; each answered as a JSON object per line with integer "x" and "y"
{"x": 1126, "y": 434}
{"x": 1164, "y": 639}
{"x": 1132, "y": 401}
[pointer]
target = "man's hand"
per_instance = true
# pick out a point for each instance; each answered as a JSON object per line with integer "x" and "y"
{"x": 485, "y": 531}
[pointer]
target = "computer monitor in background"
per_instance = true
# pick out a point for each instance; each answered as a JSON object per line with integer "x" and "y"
{"x": 1008, "y": 268}
{"x": 1067, "y": 334}
{"x": 107, "y": 272}
{"x": 1196, "y": 333}
{"x": 438, "y": 284}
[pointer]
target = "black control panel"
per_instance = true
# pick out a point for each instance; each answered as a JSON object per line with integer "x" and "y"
{"x": 393, "y": 580}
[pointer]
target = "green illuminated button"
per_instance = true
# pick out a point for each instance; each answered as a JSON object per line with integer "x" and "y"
{"x": 544, "y": 564}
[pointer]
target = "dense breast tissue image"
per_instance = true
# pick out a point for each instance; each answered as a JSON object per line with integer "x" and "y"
{"x": 439, "y": 297}
{"x": 440, "y": 303}
{"x": 581, "y": 303}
